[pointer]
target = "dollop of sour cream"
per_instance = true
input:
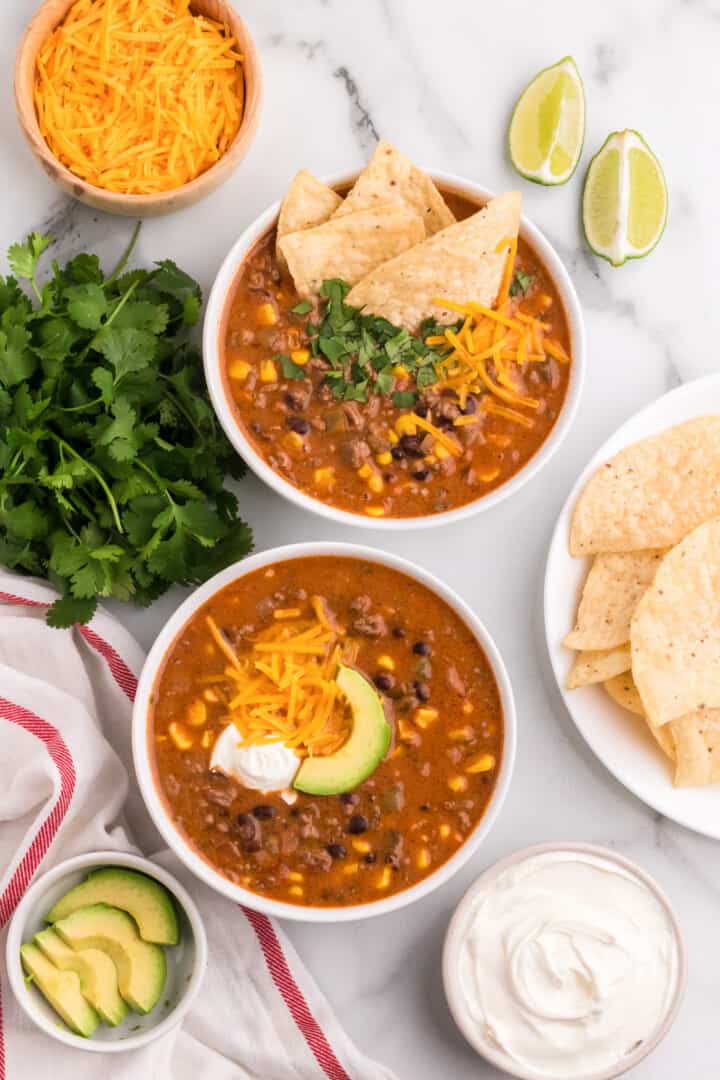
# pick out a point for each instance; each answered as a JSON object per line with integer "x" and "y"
{"x": 268, "y": 767}
{"x": 566, "y": 963}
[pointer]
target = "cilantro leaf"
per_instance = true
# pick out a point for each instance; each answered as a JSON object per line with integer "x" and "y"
{"x": 23, "y": 258}
{"x": 17, "y": 362}
{"x": 290, "y": 369}
{"x": 69, "y": 610}
{"x": 126, "y": 348}
{"x": 87, "y": 305}
{"x": 520, "y": 284}
{"x": 404, "y": 399}
{"x": 302, "y": 308}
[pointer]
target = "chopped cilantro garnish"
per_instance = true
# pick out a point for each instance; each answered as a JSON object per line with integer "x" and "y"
{"x": 112, "y": 464}
{"x": 520, "y": 284}
{"x": 290, "y": 369}
{"x": 302, "y": 308}
{"x": 404, "y": 399}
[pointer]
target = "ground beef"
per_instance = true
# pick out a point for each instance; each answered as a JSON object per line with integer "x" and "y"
{"x": 354, "y": 453}
{"x": 372, "y": 626}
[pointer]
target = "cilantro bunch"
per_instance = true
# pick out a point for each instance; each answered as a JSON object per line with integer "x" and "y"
{"x": 363, "y": 349}
{"x": 112, "y": 464}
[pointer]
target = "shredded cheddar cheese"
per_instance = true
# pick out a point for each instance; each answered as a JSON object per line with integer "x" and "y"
{"x": 138, "y": 96}
{"x": 283, "y": 687}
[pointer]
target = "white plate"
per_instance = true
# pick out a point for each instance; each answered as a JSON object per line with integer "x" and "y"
{"x": 620, "y": 739}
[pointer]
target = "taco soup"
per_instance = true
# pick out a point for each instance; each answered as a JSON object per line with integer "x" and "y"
{"x": 326, "y": 731}
{"x": 394, "y": 350}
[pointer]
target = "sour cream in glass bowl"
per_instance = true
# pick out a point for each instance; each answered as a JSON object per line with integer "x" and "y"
{"x": 564, "y": 961}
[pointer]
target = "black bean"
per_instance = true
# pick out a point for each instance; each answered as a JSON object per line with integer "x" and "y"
{"x": 370, "y": 858}
{"x": 422, "y": 691}
{"x": 357, "y": 824}
{"x": 349, "y": 798}
{"x": 295, "y": 423}
{"x": 420, "y": 409}
{"x": 384, "y": 681}
{"x": 337, "y": 851}
{"x": 411, "y": 446}
{"x": 264, "y": 811}
{"x": 421, "y": 475}
{"x": 421, "y": 648}
{"x": 398, "y": 453}
{"x": 444, "y": 423}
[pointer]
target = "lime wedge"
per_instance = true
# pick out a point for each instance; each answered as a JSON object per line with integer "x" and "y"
{"x": 624, "y": 205}
{"x": 547, "y": 127}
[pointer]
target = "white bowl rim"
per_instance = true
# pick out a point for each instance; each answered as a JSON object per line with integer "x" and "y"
{"x": 204, "y": 870}
{"x": 452, "y": 944}
{"x": 215, "y": 309}
{"x": 106, "y": 858}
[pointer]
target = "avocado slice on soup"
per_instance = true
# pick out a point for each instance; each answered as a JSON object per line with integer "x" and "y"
{"x": 96, "y": 971}
{"x": 61, "y": 989}
{"x": 146, "y": 900}
{"x": 141, "y": 966}
{"x": 362, "y": 752}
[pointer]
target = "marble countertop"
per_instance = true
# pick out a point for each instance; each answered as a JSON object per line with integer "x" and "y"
{"x": 439, "y": 81}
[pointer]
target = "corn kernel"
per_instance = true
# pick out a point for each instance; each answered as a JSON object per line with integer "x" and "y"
{"x": 361, "y": 846}
{"x": 295, "y": 875}
{"x": 407, "y": 733}
{"x": 239, "y": 369}
{"x": 461, "y": 734}
{"x": 424, "y": 858}
{"x": 544, "y": 301}
{"x": 481, "y": 763}
{"x": 385, "y": 878}
{"x": 424, "y": 717}
{"x": 400, "y": 371}
{"x": 393, "y": 438}
{"x": 486, "y": 476}
{"x": 385, "y": 458}
{"x": 295, "y": 890}
{"x": 374, "y": 511}
{"x": 196, "y": 713}
{"x": 365, "y": 471}
{"x": 211, "y": 695}
{"x": 324, "y": 477}
{"x": 405, "y": 424}
{"x": 376, "y": 483}
{"x": 268, "y": 371}
{"x": 294, "y": 441}
{"x": 265, "y": 315}
{"x": 300, "y": 356}
{"x": 458, "y": 783}
{"x": 467, "y": 707}
{"x": 351, "y": 868}
{"x": 444, "y": 831}
{"x": 386, "y": 662}
{"x": 207, "y": 739}
{"x": 180, "y": 735}
{"x": 441, "y": 452}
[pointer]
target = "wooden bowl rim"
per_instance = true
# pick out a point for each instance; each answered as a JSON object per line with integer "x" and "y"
{"x": 43, "y": 22}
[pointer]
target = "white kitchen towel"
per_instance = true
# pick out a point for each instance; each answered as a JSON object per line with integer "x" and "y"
{"x": 67, "y": 786}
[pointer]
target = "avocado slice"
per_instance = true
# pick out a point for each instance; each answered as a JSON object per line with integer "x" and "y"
{"x": 140, "y": 965}
{"x": 146, "y": 900}
{"x": 96, "y": 971}
{"x": 61, "y": 989}
{"x": 360, "y": 755}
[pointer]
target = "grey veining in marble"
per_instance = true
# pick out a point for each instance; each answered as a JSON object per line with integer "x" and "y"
{"x": 439, "y": 79}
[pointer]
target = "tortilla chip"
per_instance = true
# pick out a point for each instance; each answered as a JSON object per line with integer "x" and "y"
{"x": 464, "y": 263}
{"x": 598, "y": 665}
{"x": 652, "y": 493}
{"x": 611, "y": 592}
{"x": 307, "y": 203}
{"x": 697, "y": 747}
{"x": 623, "y": 690}
{"x": 675, "y": 631}
{"x": 390, "y": 177}
{"x": 349, "y": 247}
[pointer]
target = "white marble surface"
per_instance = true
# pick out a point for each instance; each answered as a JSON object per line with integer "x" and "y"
{"x": 439, "y": 80}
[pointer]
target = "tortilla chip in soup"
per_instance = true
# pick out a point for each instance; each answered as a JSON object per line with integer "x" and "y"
{"x": 307, "y": 203}
{"x": 349, "y": 247}
{"x": 390, "y": 177}
{"x": 464, "y": 262}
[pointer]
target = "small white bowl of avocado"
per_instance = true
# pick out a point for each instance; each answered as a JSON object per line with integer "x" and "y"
{"x": 106, "y": 951}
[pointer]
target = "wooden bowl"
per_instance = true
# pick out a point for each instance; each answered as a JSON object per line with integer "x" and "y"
{"x": 42, "y": 24}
